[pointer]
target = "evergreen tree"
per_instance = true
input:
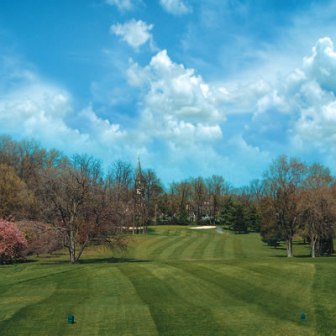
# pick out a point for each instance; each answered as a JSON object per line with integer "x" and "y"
{"x": 239, "y": 222}
{"x": 227, "y": 213}
{"x": 252, "y": 217}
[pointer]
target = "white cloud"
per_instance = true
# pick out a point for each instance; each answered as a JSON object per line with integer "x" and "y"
{"x": 321, "y": 65}
{"x": 122, "y": 5}
{"x": 40, "y": 110}
{"x": 184, "y": 123}
{"x": 176, "y": 7}
{"x": 297, "y": 114}
{"x": 135, "y": 33}
{"x": 176, "y": 103}
{"x": 103, "y": 130}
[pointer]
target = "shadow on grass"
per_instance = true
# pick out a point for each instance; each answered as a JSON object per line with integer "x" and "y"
{"x": 88, "y": 261}
{"x": 303, "y": 256}
{"x": 111, "y": 260}
{"x": 24, "y": 261}
{"x": 152, "y": 231}
{"x": 53, "y": 255}
{"x": 18, "y": 262}
{"x": 319, "y": 257}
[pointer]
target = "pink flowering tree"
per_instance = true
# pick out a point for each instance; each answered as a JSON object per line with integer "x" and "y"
{"x": 12, "y": 242}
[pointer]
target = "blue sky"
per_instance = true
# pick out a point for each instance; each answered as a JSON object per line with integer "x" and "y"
{"x": 193, "y": 87}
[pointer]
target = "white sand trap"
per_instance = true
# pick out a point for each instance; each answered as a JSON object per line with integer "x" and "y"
{"x": 205, "y": 227}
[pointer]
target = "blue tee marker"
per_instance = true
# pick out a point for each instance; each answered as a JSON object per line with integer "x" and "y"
{"x": 303, "y": 317}
{"x": 71, "y": 319}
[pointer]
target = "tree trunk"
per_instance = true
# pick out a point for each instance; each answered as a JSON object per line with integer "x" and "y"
{"x": 313, "y": 247}
{"x": 72, "y": 247}
{"x": 289, "y": 247}
{"x": 82, "y": 249}
{"x": 155, "y": 213}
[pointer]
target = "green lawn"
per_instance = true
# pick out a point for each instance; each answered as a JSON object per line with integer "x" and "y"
{"x": 173, "y": 281}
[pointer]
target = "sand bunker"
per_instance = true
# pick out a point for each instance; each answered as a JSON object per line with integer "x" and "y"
{"x": 205, "y": 227}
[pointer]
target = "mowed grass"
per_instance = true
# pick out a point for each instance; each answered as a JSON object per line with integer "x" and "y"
{"x": 173, "y": 281}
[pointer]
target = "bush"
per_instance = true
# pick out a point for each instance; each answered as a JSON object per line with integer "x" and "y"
{"x": 12, "y": 242}
{"x": 41, "y": 237}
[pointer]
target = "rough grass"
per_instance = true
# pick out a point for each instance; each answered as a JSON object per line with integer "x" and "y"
{"x": 173, "y": 281}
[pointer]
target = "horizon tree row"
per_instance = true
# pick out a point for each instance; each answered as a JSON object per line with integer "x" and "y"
{"x": 73, "y": 202}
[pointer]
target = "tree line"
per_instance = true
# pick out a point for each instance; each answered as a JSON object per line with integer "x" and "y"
{"x": 57, "y": 201}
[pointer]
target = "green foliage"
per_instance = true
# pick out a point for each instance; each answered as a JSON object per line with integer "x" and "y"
{"x": 227, "y": 212}
{"x": 239, "y": 220}
{"x": 237, "y": 217}
{"x": 15, "y": 198}
{"x": 183, "y": 217}
{"x": 253, "y": 220}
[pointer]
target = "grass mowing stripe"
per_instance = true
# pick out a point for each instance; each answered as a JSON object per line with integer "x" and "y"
{"x": 179, "y": 248}
{"x": 35, "y": 274}
{"x": 186, "y": 250}
{"x": 24, "y": 320}
{"x": 250, "y": 294}
{"x": 299, "y": 280}
{"x": 171, "y": 248}
{"x": 236, "y": 317}
{"x": 158, "y": 250}
{"x": 219, "y": 248}
{"x": 100, "y": 307}
{"x": 204, "y": 242}
{"x": 324, "y": 302}
{"x": 170, "y": 311}
{"x": 210, "y": 250}
{"x": 17, "y": 298}
{"x": 189, "y": 251}
{"x": 238, "y": 250}
{"x": 150, "y": 246}
{"x": 120, "y": 310}
{"x": 142, "y": 250}
{"x": 256, "y": 294}
{"x": 228, "y": 246}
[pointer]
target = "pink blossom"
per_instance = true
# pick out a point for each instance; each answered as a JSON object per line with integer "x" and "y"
{"x": 12, "y": 241}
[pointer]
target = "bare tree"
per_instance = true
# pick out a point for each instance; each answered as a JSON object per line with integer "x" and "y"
{"x": 180, "y": 196}
{"x": 15, "y": 197}
{"x": 119, "y": 183}
{"x": 317, "y": 207}
{"x": 283, "y": 181}
{"x": 217, "y": 187}
{"x": 78, "y": 203}
{"x": 199, "y": 196}
{"x": 153, "y": 191}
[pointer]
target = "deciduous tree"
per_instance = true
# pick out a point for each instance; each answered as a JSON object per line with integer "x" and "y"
{"x": 317, "y": 207}
{"x": 283, "y": 181}
{"x": 15, "y": 198}
{"x": 12, "y": 242}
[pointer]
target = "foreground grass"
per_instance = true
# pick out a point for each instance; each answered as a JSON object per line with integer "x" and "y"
{"x": 173, "y": 281}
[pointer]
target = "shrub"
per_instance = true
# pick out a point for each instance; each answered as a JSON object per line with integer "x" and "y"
{"x": 12, "y": 242}
{"x": 41, "y": 237}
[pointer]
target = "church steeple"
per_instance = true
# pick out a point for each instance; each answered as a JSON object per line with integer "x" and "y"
{"x": 139, "y": 181}
{"x": 140, "y": 224}
{"x": 138, "y": 170}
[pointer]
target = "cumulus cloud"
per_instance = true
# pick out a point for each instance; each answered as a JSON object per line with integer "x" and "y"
{"x": 178, "y": 115}
{"x": 176, "y": 7}
{"x": 297, "y": 114}
{"x": 122, "y": 5}
{"x": 176, "y": 103}
{"x": 311, "y": 96}
{"x": 135, "y": 33}
{"x": 103, "y": 130}
{"x": 185, "y": 117}
{"x": 182, "y": 121}
{"x": 321, "y": 65}
{"x": 43, "y": 111}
